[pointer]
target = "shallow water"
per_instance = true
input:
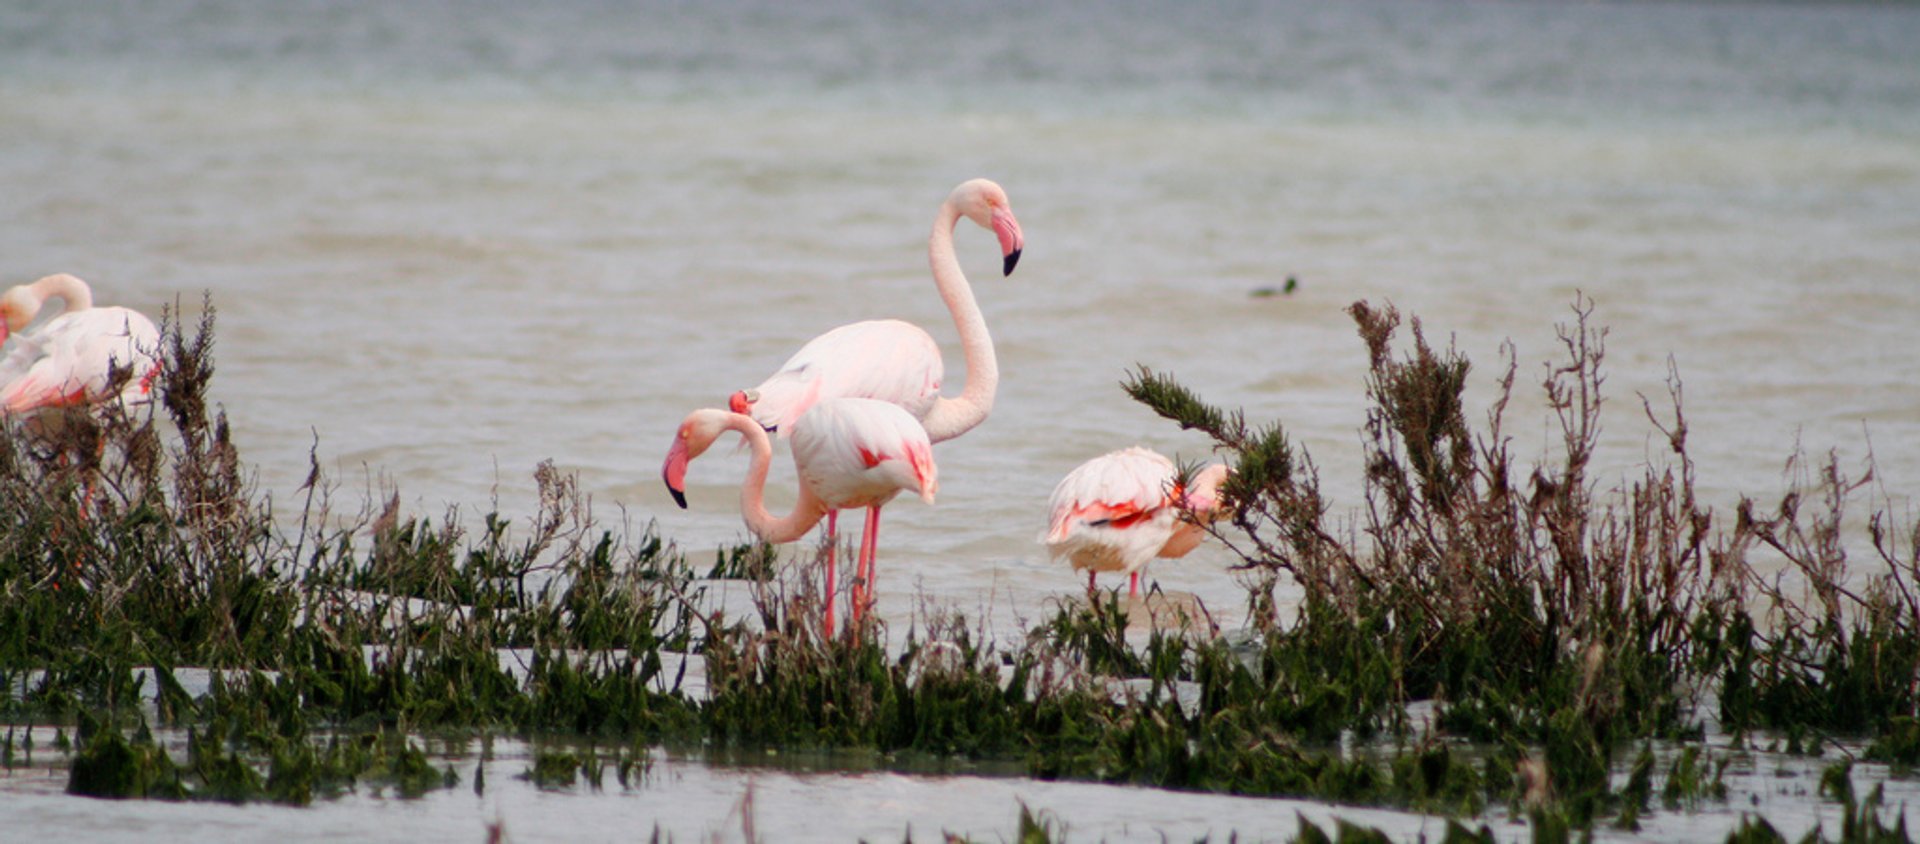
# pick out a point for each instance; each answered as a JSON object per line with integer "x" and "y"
{"x": 448, "y": 243}
{"x": 839, "y": 798}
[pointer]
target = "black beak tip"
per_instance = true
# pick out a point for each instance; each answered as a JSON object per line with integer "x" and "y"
{"x": 679, "y": 497}
{"x": 1012, "y": 259}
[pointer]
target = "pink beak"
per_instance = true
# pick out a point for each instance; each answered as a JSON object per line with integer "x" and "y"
{"x": 674, "y": 472}
{"x": 1011, "y": 240}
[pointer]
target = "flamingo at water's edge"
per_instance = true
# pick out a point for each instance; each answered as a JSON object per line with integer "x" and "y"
{"x": 897, "y": 361}
{"x": 848, "y": 453}
{"x": 70, "y": 361}
{"x": 1119, "y": 511}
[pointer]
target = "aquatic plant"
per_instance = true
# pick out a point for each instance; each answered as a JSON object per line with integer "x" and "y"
{"x": 1535, "y": 608}
{"x": 1553, "y": 624}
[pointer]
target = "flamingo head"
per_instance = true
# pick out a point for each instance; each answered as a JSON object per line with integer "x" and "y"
{"x": 985, "y": 203}
{"x": 695, "y": 436}
{"x": 1202, "y": 496}
{"x": 18, "y": 307}
{"x": 741, "y": 402}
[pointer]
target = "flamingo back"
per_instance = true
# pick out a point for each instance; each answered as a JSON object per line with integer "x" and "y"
{"x": 861, "y": 452}
{"x": 1114, "y": 512}
{"x": 888, "y": 360}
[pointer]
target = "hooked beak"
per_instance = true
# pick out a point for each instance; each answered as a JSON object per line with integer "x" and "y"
{"x": 674, "y": 472}
{"x": 1011, "y": 239}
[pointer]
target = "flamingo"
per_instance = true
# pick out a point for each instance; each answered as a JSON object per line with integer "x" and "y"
{"x": 71, "y": 360}
{"x": 1119, "y": 511}
{"x": 849, "y": 453}
{"x": 897, "y": 361}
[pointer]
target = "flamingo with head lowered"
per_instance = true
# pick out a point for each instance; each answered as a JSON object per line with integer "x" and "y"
{"x": 849, "y": 453}
{"x": 72, "y": 360}
{"x": 1119, "y": 511}
{"x": 896, "y": 361}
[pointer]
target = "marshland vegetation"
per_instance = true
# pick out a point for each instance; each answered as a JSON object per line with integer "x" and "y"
{"x": 1481, "y": 634}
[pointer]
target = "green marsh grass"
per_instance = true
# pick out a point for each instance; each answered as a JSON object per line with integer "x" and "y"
{"x": 1554, "y": 629}
{"x": 1539, "y": 610}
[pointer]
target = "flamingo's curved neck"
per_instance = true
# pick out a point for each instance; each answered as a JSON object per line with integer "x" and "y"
{"x": 807, "y": 512}
{"x": 68, "y": 289}
{"x": 950, "y": 418}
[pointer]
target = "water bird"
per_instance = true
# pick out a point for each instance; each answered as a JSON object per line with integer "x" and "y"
{"x": 1119, "y": 511}
{"x": 849, "y": 452}
{"x": 897, "y": 361}
{"x": 76, "y": 358}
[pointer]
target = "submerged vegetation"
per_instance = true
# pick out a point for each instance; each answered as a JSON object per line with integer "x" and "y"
{"x": 1551, "y": 627}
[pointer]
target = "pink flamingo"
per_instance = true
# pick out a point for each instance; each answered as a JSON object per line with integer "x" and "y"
{"x": 71, "y": 360}
{"x": 896, "y": 361}
{"x": 1120, "y": 510}
{"x": 848, "y": 452}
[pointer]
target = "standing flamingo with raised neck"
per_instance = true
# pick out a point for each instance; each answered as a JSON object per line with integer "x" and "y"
{"x": 1119, "y": 511}
{"x": 896, "y": 361}
{"x": 71, "y": 361}
{"x": 848, "y": 452}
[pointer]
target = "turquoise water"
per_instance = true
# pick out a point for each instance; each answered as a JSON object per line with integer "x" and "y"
{"x": 448, "y": 242}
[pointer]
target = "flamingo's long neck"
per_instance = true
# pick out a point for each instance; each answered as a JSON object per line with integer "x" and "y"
{"x": 950, "y": 418}
{"x": 69, "y": 289}
{"x": 807, "y": 512}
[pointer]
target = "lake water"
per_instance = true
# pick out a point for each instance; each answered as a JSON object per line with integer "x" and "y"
{"x": 448, "y": 241}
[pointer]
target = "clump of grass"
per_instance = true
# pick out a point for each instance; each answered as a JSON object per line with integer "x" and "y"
{"x": 156, "y": 554}
{"x": 776, "y": 679}
{"x": 1555, "y": 620}
{"x": 1539, "y": 609}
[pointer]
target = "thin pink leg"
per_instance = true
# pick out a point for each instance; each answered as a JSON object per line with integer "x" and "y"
{"x": 1133, "y": 585}
{"x": 833, "y": 543}
{"x": 1090, "y": 587}
{"x": 869, "y": 548}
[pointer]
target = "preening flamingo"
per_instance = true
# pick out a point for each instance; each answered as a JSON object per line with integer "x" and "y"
{"x": 848, "y": 453}
{"x": 896, "y": 361}
{"x": 1120, "y": 510}
{"x": 70, "y": 361}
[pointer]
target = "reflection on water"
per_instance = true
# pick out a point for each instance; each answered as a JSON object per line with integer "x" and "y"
{"x": 450, "y": 242}
{"x": 692, "y": 796}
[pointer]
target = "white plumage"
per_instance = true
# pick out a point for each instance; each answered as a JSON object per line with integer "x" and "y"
{"x": 895, "y": 361}
{"x": 862, "y": 453}
{"x": 889, "y": 360}
{"x": 70, "y": 361}
{"x": 1118, "y": 511}
{"x": 848, "y": 452}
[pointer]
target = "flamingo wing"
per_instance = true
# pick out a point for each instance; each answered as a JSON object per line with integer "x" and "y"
{"x": 888, "y": 360}
{"x": 76, "y": 354}
{"x": 22, "y": 350}
{"x": 1112, "y": 513}
{"x": 858, "y": 452}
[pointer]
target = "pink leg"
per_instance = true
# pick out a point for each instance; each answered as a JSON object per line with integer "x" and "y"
{"x": 1133, "y": 585}
{"x": 1090, "y": 587}
{"x": 833, "y": 543}
{"x": 869, "y": 545}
